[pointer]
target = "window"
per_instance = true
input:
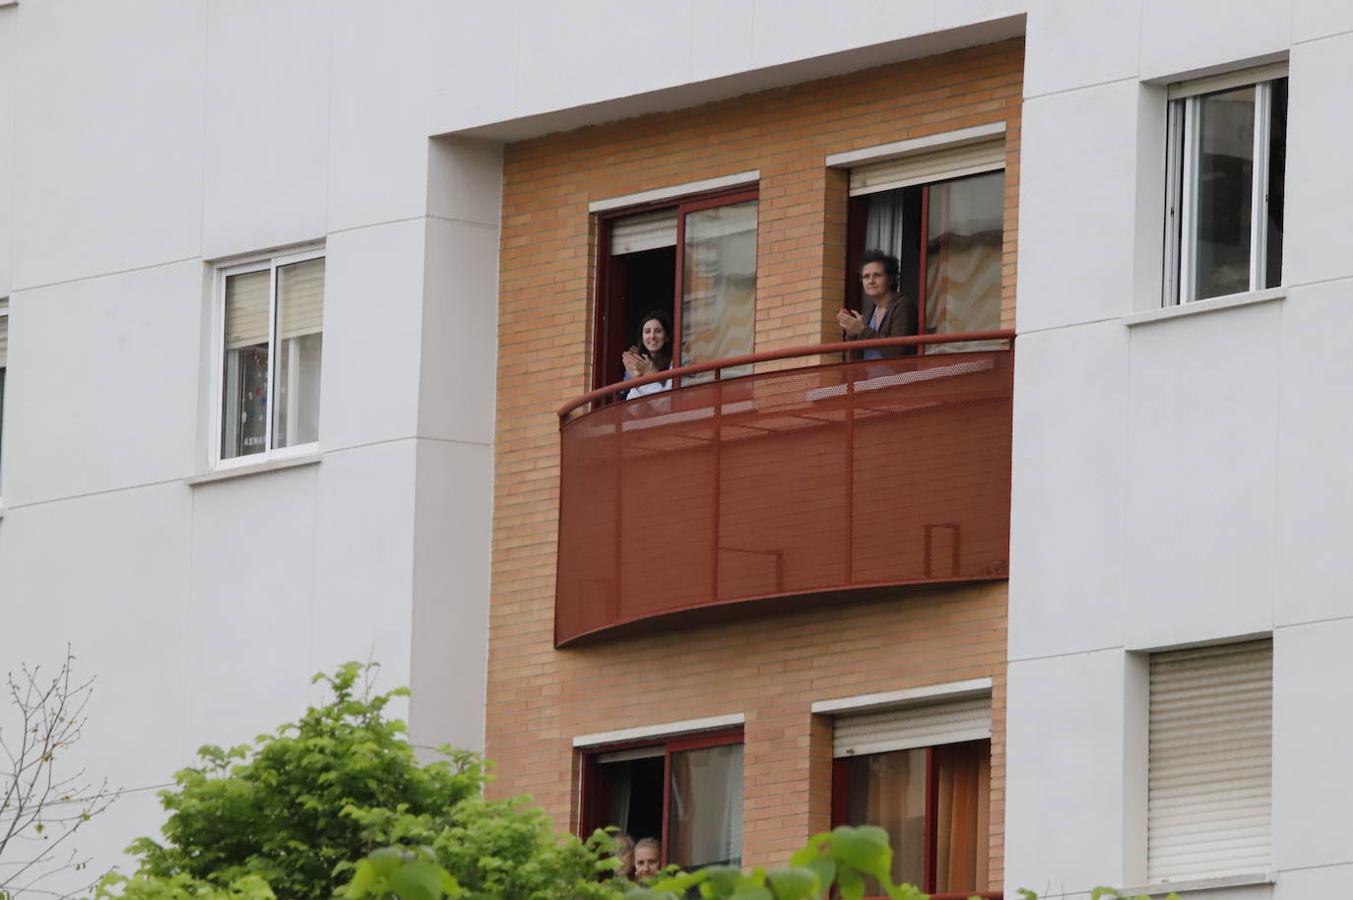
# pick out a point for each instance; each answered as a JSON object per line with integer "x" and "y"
{"x": 1210, "y": 762}
{"x": 923, "y": 774}
{"x": 686, "y": 792}
{"x": 1225, "y": 165}
{"x": 4, "y": 364}
{"x": 695, "y": 262}
{"x": 941, "y": 214}
{"x": 271, "y": 318}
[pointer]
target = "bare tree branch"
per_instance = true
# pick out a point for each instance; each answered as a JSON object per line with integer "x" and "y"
{"x": 42, "y": 807}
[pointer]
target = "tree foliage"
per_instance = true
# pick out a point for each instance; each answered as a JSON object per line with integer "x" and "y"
{"x": 291, "y": 816}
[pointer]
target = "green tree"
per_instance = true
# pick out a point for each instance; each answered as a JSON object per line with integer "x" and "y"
{"x": 292, "y": 814}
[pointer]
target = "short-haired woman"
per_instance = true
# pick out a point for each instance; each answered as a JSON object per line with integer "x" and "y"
{"x": 887, "y": 311}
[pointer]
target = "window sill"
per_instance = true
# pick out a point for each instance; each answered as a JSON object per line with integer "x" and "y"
{"x": 1198, "y": 307}
{"x": 275, "y": 464}
{"x": 1160, "y": 889}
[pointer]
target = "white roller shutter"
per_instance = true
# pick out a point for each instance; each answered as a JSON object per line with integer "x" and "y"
{"x": 918, "y": 725}
{"x": 933, "y": 165}
{"x": 300, "y": 298}
{"x": 646, "y": 231}
{"x": 1210, "y": 761}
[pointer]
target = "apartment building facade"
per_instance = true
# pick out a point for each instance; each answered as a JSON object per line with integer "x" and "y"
{"x": 1051, "y": 588}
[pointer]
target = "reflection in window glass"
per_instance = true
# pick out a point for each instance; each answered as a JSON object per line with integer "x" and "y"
{"x": 300, "y": 316}
{"x": 1224, "y": 162}
{"x": 963, "y": 254}
{"x": 718, "y": 299}
{"x": 244, "y": 414}
{"x": 888, "y": 790}
{"x": 705, "y": 812}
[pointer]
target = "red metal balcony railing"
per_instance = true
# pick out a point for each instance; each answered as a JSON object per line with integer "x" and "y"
{"x": 785, "y": 484}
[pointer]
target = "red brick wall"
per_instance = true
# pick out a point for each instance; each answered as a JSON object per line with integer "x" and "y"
{"x": 771, "y": 668}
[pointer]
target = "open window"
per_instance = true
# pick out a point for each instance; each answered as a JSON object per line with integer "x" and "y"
{"x": 941, "y": 214}
{"x": 923, "y": 774}
{"x": 1226, "y": 165}
{"x": 694, "y": 261}
{"x": 684, "y": 791}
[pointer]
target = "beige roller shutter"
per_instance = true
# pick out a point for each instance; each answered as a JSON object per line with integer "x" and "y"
{"x": 246, "y": 309}
{"x": 918, "y": 725}
{"x": 300, "y": 298}
{"x": 1210, "y": 761}
{"x": 931, "y": 165}
{"x": 646, "y": 231}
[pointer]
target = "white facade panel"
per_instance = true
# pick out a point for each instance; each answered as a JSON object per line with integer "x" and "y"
{"x": 721, "y": 37}
{"x": 1202, "y": 453}
{"x": 9, "y": 90}
{"x": 1061, "y": 775}
{"x": 1315, "y": 246}
{"x": 108, "y": 138}
{"x": 372, "y": 326}
{"x": 363, "y": 571}
{"x": 1315, "y": 19}
{"x": 253, "y": 572}
{"x": 608, "y": 48}
{"x": 387, "y": 62}
{"x": 1312, "y": 785}
{"x": 103, "y": 383}
{"x": 1067, "y": 495}
{"x": 1181, "y": 38}
{"x": 1315, "y": 442}
{"x": 1073, "y": 45}
{"x": 451, "y": 589}
{"x": 1062, "y": 192}
{"x": 460, "y": 318}
{"x": 267, "y": 125}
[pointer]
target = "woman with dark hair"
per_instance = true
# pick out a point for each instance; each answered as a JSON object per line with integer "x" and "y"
{"x": 887, "y": 312}
{"x": 653, "y": 354}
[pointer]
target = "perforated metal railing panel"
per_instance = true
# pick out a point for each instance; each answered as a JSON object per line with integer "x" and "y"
{"x": 785, "y": 483}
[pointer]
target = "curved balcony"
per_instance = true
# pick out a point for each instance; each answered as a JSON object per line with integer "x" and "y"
{"x": 787, "y": 484}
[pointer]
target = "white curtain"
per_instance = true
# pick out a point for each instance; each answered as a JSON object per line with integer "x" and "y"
{"x": 883, "y": 224}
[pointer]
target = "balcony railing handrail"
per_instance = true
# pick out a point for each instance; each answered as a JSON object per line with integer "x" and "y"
{"x": 772, "y": 355}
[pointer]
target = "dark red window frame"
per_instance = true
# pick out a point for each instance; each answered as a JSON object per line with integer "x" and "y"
{"x": 608, "y": 328}
{"x": 841, "y": 792}
{"x": 593, "y": 785}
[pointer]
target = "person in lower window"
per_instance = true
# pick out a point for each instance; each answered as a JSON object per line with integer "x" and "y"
{"x": 887, "y": 311}
{"x": 647, "y": 859}
{"x": 652, "y": 354}
{"x": 624, "y": 851}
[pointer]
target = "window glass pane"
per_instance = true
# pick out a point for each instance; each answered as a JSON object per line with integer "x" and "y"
{"x": 705, "y": 812}
{"x": 1223, "y": 166}
{"x": 245, "y": 407}
{"x": 1277, "y": 186}
{"x": 300, "y": 318}
{"x": 888, "y": 790}
{"x": 963, "y": 254}
{"x": 718, "y": 298}
{"x": 962, "y": 816}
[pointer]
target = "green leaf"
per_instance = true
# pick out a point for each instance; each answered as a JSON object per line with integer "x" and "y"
{"x": 799, "y": 883}
{"x": 850, "y": 884}
{"x": 864, "y": 848}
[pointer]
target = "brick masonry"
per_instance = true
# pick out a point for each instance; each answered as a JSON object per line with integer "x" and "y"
{"x": 773, "y": 667}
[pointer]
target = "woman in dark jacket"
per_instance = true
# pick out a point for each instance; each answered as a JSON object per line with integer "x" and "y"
{"x": 887, "y": 312}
